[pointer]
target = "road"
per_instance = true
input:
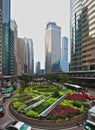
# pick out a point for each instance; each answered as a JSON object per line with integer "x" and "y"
{"x": 7, "y": 117}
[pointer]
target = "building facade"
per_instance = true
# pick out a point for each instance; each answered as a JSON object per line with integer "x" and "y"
{"x": 64, "y": 50}
{"x": 60, "y": 66}
{"x": 29, "y": 56}
{"x": 0, "y": 36}
{"x": 88, "y": 35}
{"x": 25, "y": 56}
{"x": 53, "y": 45}
{"x": 21, "y": 58}
{"x": 38, "y": 68}
{"x": 13, "y": 48}
{"x": 76, "y": 7}
{"x": 82, "y": 35}
{"x": 5, "y": 36}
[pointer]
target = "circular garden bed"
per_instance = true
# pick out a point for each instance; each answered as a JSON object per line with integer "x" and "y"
{"x": 70, "y": 108}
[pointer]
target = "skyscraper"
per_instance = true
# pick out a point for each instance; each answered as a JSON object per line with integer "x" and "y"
{"x": 13, "y": 59}
{"x": 1, "y": 36}
{"x": 88, "y": 35}
{"x": 38, "y": 68}
{"x": 82, "y": 35}
{"x": 21, "y": 58}
{"x": 5, "y": 36}
{"x": 64, "y": 50}
{"x": 29, "y": 55}
{"x": 76, "y": 35}
{"x": 53, "y": 45}
{"x": 26, "y": 55}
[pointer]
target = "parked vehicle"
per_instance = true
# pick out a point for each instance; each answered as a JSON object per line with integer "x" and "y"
{"x": 9, "y": 90}
{"x": 93, "y": 102}
{"x": 8, "y": 95}
{"x": 1, "y": 111}
{"x": 2, "y": 89}
{"x": 90, "y": 122}
{"x": 88, "y": 96}
{"x": 17, "y": 125}
{"x": 74, "y": 87}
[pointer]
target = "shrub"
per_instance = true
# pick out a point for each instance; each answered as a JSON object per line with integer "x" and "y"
{"x": 22, "y": 107}
{"x": 31, "y": 113}
{"x": 56, "y": 94}
{"x": 16, "y": 104}
{"x": 77, "y": 103}
{"x": 15, "y": 99}
{"x": 80, "y": 103}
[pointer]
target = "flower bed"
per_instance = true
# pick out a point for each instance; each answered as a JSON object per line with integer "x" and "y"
{"x": 71, "y": 107}
{"x": 75, "y": 97}
{"x": 63, "y": 112}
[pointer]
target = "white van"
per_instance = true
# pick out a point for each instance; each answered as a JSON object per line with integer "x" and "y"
{"x": 17, "y": 125}
{"x": 90, "y": 122}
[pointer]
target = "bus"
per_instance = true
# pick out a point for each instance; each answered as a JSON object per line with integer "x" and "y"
{"x": 74, "y": 87}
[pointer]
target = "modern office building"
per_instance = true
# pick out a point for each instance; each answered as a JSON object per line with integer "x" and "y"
{"x": 38, "y": 68}
{"x": 0, "y": 36}
{"x": 29, "y": 56}
{"x": 76, "y": 41}
{"x": 26, "y": 56}
{"x": 64, "y": 49}
{"x": 60, "y": 66}
{"x": 5, "y": 36}
{"x": 21, "y": 58}
{"x": 53, "y": 45}
{"x": 13, "y": 48}
{"x": 88, "y": 35}
{"x": 83, "y": 35}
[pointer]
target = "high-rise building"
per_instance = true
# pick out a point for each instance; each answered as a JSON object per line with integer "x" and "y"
{"x": 53, "y": 45}
{"x": 76, "y": 54}
{"x": 88, "y": 35}
{"x": 26, "y": 55}
{"x": 5, "y": 36}
{"x": 60, "y": 66}
{"x": 64, "y": 50}
{"x": 82, "y": 35}
{"x": 13, "y": 59}
{"x": 29, "y": 56}
{"x": 0, "y": 36}
{"x": 38, "y": 68}
{"x": 21, "y": 58}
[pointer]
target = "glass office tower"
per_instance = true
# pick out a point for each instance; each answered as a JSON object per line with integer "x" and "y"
{"x": 82, "y": 35}
{"x": 5, "y": 35}
{"x": 88, "y": 35}
{"x": 76, "y": 7}
{"x": 53, "y": 45}
{"x": 0, "y": 36}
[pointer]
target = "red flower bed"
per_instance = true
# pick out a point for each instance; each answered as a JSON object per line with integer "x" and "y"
{"x": 61, "y": 111}
{"x": 75, "y": 97}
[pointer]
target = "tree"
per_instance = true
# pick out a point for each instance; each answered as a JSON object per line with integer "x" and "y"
{"x": 25, "y": 79}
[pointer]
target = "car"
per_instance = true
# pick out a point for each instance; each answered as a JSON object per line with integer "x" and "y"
{"x": 8, "y": 95}
{"x": 2, "y": 89}
{"x": 17, "y": 125}
{"x": 1, "y": 110}
{"x": 9, "y": 90}
{"x": 93, "y": 102}
{"x": 88, "y": 96}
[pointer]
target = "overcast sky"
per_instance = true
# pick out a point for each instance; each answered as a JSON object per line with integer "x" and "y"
{"x": 32, "y": 16}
